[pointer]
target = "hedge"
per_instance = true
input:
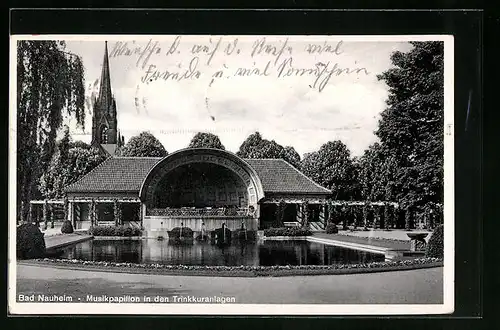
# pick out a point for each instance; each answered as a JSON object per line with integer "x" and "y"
{"x": 287, "y": 231}
{"x": 435, "y": 248}
{"x": 67, "y": 227}
{"x": 30, "y": 243}
{"x": 124, "y": 231}
{"x": 331, "y": 228}
{"x": 253, "y": 270}
{"x": 176, "y": 233}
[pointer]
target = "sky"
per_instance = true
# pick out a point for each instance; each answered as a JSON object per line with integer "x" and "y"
{"x": 315, "y": 88}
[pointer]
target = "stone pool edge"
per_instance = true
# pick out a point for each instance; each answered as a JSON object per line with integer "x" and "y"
{"x": 236, "y": 271}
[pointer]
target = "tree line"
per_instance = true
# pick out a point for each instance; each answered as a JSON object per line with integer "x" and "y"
{"x": 405, "y": 164}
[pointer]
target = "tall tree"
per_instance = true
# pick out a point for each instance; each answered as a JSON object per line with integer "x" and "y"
{"x": 70, "y": 162}
{"x": 206, "y": 140}
{"x": 332, "y": 167}
{"x": 377, "y": 175}
{"x": 411, "y": 127}
{"x": 50, "y": 83}
{"x": 257, "y": 147}
{"x": 143, "y": 145}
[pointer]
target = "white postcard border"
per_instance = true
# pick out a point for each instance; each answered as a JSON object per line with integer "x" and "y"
{"x": 246, "y": 309}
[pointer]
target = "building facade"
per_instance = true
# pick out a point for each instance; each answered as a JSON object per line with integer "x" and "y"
{"x": 199, "y": 188}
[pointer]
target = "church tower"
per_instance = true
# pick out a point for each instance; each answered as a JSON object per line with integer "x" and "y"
{"x": 104, "y": 121}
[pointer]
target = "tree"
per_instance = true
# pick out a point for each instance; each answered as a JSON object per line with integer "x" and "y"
{"x": 257, "y": 147}
{"x": 143, "y": 145}
{"x": 411, "y": 127}
{"x": 71, "y": 161}
{"x": 50, "y": 82}
{"x": 332, "y": 167}
{"x": 206, "y": 140}
{"x": 377, "y": 174}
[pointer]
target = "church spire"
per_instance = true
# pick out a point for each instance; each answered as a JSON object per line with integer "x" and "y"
{"x": 105, "y": 97}
{"x": 104, "y": 120}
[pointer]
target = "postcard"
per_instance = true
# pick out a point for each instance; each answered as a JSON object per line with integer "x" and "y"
{"x": 231, "y": 175}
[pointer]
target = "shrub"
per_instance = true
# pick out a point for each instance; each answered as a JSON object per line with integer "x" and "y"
{"x": 219, "y": 234}
{"x": 435, "y": 248}
{"x": 176, "y": 233}
{"x": 287, "y": 231}
{"x": 331, "y": 228}
{"x": 30, "y": 242}
{"x": 122, "y": 231}
{"x": 241, "y": 234}
{"x": 67, "y": 227}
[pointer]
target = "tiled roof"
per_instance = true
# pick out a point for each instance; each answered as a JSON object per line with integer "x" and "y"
{"x": 118, "y": 174}
{"x": 126, "y": 174}
{"x": 278, "y": 176}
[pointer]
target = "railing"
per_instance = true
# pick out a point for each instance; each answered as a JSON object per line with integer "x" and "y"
{"x": 199, "y": 212}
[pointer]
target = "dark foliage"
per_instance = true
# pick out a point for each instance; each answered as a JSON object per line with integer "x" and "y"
{"x": 206, "y": 140}
{"x": 50, "y": 86}
{"x": 288, "y": 231}
{"x": 256, "y": 147}
{"x": 176, "y": 233}
{"x": 30, "y": 242}
{"x": 218, "y": 234}
{"x": 331, "y": 228}
{"x": 435, "y": 246}
{"x": 67, "y": 227}
{"x": 242, "y": 234}
{"x": 143, "y": 145}
{"x": 124, "y": 231}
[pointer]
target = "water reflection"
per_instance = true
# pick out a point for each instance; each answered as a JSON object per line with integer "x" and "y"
{"x": 254, "y": 253}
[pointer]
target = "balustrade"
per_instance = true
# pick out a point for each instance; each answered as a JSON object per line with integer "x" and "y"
{"x": 198, "y": 212}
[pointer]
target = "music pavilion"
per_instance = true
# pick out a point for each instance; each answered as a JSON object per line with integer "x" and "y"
{"x": 196, "y": 188}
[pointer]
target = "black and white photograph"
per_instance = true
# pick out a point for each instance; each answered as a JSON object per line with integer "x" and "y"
{"x": 231, "y": 174}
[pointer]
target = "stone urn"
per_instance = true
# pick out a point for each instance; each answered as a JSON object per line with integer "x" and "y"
{"x": 417, "y": 242}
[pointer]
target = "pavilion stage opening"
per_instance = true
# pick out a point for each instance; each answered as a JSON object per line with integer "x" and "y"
{"x": 202, "y": 194}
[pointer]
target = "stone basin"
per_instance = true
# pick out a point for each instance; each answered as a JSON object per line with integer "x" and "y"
{"x": 418, "y": 242}
{"x": 417, "y": 236}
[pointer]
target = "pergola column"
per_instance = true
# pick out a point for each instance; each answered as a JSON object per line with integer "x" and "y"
{"x": 386, "y": 217}
{"x": 30, "y": 215}
{"x": 365, "y": 216}
{"x": 66, "y": 209}
{"x": 344, "y": 215}
{"x": 71, "y": 215}
{"x": 376, "y": 217}
{"x": 115, "y": 212}
{"x": 52, "y": 216}
{"x": 299, "y": 214}
{"x": 322, "y": 214}
{"x": 45, "y": 214}
{"x": 142, "y": 213}
{"x": 305, "y": 213}
{"x": 356, "y": 215}
{"x": 37, "y": 217}
{"x": 408, "y": 219}
{"x": 93, "y": 213}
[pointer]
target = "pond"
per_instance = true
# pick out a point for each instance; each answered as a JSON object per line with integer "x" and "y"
{"x": 249, "y": 253}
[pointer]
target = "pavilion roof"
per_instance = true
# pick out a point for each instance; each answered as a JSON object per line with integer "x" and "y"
{"x": 126, "y": 174}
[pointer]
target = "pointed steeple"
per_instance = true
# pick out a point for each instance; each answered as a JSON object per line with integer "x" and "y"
{"x": 105, "y": 98}
{"x": 104, "y": 119}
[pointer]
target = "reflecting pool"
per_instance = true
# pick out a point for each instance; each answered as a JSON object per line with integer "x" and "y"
{"x": 248, "y": 253}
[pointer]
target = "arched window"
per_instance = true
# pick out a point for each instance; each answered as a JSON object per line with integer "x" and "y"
{"x": 104, "y": 135}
